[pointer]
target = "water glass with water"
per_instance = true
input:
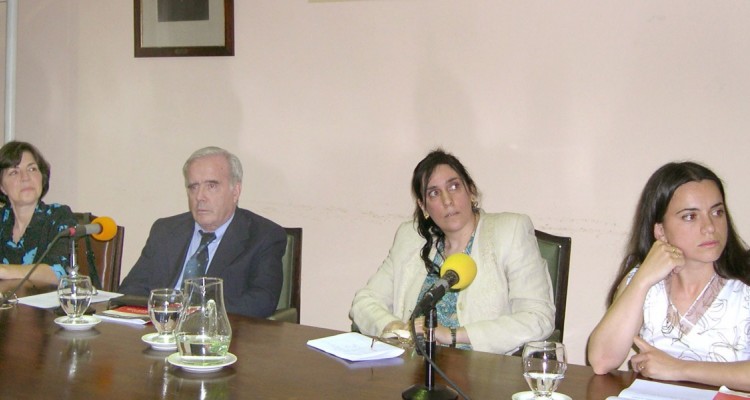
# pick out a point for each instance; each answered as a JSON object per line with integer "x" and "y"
{"x": 164, "y": 307}
{"x": 74, "y": 293}
{"x": 544, "y": 365}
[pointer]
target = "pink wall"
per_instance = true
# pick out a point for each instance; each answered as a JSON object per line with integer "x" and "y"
{"x": 561, "y": 110}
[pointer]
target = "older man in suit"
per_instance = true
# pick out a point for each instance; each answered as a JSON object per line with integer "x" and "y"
{"x": 244, "y": 248}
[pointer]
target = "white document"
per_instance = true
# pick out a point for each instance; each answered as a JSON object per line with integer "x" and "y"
{"x": 49, "y": 299}
{"x": 354, "y": 346}
{"x": 649, "y": 390}
{"x": 123, "y": 320}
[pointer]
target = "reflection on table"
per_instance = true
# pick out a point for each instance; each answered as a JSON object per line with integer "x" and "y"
{"x": 41, "y": 360}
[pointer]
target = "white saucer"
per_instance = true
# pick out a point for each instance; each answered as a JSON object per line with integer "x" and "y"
{"x": 176, "y": 360}
{"x": 81, "y": 324}
{"x": 157, "y": 345}
{"x": 530, "y": 396}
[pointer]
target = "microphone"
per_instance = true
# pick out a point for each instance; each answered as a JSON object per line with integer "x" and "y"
{"x": 101, "y": 228}
{"x": 457, "y": 272}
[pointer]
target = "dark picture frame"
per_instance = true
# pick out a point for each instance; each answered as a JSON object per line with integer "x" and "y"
{"x": 183, "y": 28}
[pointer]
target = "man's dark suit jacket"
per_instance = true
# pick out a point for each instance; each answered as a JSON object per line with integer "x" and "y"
{"x": 248, "y": 259}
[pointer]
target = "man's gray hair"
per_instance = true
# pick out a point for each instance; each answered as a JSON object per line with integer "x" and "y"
{"x": 235, "y": 166}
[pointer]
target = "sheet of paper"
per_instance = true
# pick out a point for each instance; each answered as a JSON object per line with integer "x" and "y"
{"x": 366, "y": 364}
{"x": 123, "y": 320}
{"x": 49, "y": 299}
{"x": 354, "y": 346}
{"x": 642, "y": 389}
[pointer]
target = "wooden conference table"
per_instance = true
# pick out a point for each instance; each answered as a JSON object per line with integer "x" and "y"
{"x": 40, "y": 360}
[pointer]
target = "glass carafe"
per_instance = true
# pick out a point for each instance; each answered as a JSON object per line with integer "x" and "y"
{"x": 203, "y": 332}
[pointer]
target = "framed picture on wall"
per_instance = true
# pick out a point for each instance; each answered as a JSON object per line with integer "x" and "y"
{"x": 184, "y": 28}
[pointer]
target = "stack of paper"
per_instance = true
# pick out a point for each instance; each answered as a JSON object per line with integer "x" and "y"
{"x": 650, "y": 390}
{"x": 49, "y": 299}
{"x": 354, "y": 346}
{"x": 126, "y": 314}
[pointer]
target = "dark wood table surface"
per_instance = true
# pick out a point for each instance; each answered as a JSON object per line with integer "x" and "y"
{"x": 39, "y": 360}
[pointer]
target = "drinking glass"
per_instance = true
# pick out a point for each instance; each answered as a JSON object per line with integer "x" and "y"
{"x": 544, "y": 365}
{"x": 164, "y": 307}
{"x": 74, "y": 293}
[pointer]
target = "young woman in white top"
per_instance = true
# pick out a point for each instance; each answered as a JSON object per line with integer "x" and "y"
{"x": 681, "y": 298}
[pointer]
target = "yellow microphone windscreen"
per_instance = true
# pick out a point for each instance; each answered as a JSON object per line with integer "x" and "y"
{"x": 109, "y": 228}
{"x": 463, "y": 265}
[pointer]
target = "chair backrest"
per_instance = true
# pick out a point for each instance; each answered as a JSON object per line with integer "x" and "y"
{"x": 556, "y": 251}
{"x": 288, "y": 308}
{"x": 106, "y": 256}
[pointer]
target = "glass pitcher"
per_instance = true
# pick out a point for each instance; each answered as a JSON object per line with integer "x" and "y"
{"x": 203, "y": 332}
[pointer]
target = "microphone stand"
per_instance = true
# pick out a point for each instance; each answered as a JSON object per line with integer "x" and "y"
{"x": 430, "y": 390}
{"x": 73, "y": 269}
{"x": 6, "y": 298}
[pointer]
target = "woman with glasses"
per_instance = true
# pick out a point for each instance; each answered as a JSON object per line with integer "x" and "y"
{"x": 27, "y": 224}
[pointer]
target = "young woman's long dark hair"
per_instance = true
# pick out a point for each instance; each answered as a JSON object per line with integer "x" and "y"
{"x": 422, "y": 173}
{"x": 652, "y": 206}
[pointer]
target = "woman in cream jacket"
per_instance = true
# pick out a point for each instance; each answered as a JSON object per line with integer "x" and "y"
{"x": 509, "y": 302}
